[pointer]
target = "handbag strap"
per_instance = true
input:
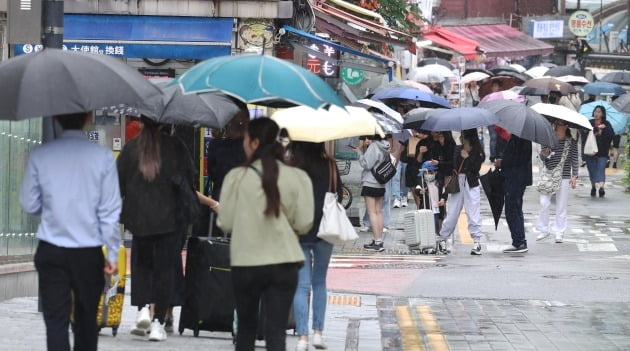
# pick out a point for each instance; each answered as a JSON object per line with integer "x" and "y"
{"x": 565, "y": 152}
{"x": 332, "y": 176}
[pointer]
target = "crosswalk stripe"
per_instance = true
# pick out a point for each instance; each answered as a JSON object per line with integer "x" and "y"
{"x": 350, "y": 261}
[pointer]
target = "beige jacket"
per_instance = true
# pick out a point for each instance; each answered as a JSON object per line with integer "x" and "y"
{"x": 257, "y": 239}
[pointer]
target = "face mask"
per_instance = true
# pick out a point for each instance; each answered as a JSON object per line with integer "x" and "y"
{"x": 429, "y": 177}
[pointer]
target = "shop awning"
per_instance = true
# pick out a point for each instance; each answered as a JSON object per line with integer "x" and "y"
{"x": 502, "y": 40}
{"x": 445, "y": 38}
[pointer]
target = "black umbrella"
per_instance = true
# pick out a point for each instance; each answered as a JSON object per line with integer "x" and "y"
{"x": 501, "y": 68}
{"x": 492, "y": 183}
{"x": 519, "y": 76}
{"x": 563, "y": 71}
{"x": 435, "y": 61}
{"x": 618, "y": 77}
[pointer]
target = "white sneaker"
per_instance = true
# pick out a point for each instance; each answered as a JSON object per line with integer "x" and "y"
{"x": 542, "y": 236}
{"x": 404, "y": 202}
{"x": 396, "y": 203}
{"x": 157, "y": 331}
{"x": 385, "y": 230}
{"x": 143, "y": 322}
{"x": 364, "y": 229}
{"x": 559, "y": 239}
{"x": 318, "y": 342}
{"x": 302, "y": 345}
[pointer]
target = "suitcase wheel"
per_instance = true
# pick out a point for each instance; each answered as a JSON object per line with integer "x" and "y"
{"x": 114, "y": 331}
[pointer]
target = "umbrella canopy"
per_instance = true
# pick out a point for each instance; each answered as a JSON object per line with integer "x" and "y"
{"x": 549, "y": 84}
{"x": 548, "y": 64}
{"x": 436, "y": 61}
{"x": 433, "y": 73}
{"x": 419, "y": 86}
{"x": 428, "y": 99}
{"x": 622, "y": 103}
{"x": 482, "y": 70}
{"x": 492, "y": 183}
{"x": 461, "y": 118}
{"x": 563, "y": 71}
{"x": 522, "y": 121}
{"x": 603, "y": 88}
{"x": 415, "y": 118}
{"x": 504, "y": 95}
{"x": 575, "y": 80}
{"x": 474, "y": 77}
{"x": 537, "y": 72}
{"x": 307, "y": 124}
{"x": 396, "y": 83}
{"x": 618, "y": 77}
{"x": 259, "y": 79}
{"x": 618, "y": 120}
{"x": 372, "y": 105}
{"x": 53, "y": 82}
{"x": 504, "y": 82}
{"x": 518, "y": 68}
{"x": 501, "y": 68}
{"x": 563, "y": 113}
{"x": 522, "y": 77}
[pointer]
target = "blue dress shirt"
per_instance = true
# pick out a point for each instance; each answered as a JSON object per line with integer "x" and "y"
{"x": 72, "y": 184}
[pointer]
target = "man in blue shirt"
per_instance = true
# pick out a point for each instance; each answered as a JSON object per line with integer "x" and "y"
{"x": 72, "y": 184}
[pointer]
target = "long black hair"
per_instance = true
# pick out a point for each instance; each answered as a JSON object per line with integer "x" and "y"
{"x": 149, "y": 140}
{"x": 269, "y": 152}
{"x": 473, "y": 138}
{"x": 601, "y": 108}
{"x": 310, "y": 157}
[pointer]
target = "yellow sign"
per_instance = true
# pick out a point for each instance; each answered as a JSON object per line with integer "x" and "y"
{"x": 581, "y": 23}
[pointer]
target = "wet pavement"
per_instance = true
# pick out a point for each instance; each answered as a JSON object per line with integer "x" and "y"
{"x": 569, "y": 296}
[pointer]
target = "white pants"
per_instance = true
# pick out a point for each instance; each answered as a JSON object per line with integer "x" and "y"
{"x": 469, "y": 198}
{"x": 560, "y": 224}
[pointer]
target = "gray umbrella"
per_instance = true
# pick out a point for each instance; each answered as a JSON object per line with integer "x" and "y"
{"x": 54, "y": 81}
{"x": 461, "y": 118}
{"x": 622, "y": 103}
{"x": 618, "y": 77}
{"x": 416, "y": 117}
{"x": 522, "y": 121}
{"x": 388, "y": 125}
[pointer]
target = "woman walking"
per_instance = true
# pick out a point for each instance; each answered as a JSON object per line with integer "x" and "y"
{"x": 312, "y": 158}
{"x": 372, "y": 191}
{"x": 467, "y": 162}
{"x": 147, "y": 168}
{"x": 596, "y": 164}
{"x": 552, "y": 157}
{"x": 264, "y": 204}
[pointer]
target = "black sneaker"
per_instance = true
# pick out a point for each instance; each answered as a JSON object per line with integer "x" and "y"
{"x": 593, "y": 191}
{"x": 602, "y": 192}
{"x": 476, "y": 249}
{"x": 520, "y": 249}
{"x": 441, "y": 247}
{"x": 374, "y": 246}
{"x": 615, "y": 165}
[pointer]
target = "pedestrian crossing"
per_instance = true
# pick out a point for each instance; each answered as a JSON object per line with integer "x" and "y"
{"x": 383, "y": 261}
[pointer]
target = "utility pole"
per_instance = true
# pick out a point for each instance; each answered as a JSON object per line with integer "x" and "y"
{"x": 52, "y": 37}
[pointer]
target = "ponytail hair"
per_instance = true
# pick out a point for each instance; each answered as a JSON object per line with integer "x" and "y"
{"x": 269, "y": 151}
{"x": 149, "y": 159}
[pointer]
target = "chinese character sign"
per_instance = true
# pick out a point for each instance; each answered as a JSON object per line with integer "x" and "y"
{"x": 319, "y": 66}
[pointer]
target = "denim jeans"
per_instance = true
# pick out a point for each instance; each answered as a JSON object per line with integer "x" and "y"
{"x": 399, "y": 188}
{"x": 514, "y": 211}
{"x": 312, "y": 274}
{"x": 387, "y": 205}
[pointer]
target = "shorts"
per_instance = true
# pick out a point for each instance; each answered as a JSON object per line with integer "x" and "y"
{"x": 616, "y": 141}
{"x": 372, "y": 192}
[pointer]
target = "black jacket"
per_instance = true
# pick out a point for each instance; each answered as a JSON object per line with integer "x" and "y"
{"x": 516, "y": 164}
{"x": 470, "y": 167}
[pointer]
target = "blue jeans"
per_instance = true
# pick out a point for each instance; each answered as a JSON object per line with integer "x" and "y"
{"x": 596, "y": 168}
{"x": 399, "y": 188}
{"x": 514, "y": 192}
{"x": 313, "y": 273}
{"x": 387, "y": 205}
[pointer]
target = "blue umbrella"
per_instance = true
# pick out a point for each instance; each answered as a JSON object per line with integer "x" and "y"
{"x": 603, "y": 88}
{"x": 428, "y": 99}
{"x": 461, "y": 118}
{"x": 261, "y": 80}
{"x": 618, "y": 120}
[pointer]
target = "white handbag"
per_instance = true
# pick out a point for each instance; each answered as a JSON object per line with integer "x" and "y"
{"x": 550, "y": 179}
{"x": 590, "y": 147}
{"x": 335, "y": 226}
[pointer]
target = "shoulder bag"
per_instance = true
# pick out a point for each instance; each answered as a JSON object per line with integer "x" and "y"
{"x": 550, "y": 179}
{"x": 451, "y": 182}
{"x": 335, "y": 227}
{"x": 384, "y": 171}
{"x": 590, "y": 146}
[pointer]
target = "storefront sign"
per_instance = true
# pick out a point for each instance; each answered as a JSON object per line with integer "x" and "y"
{"x": 581, "y": 23}
{"x": 352, "y": 76}
{"x": 547, "y": 29}
{"x": 323, "y": 68}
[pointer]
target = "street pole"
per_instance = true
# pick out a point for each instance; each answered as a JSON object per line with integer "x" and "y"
{"x": 601, "y": 29}
{"x": 628, "y": 30}
{"x": 52, "y": 37}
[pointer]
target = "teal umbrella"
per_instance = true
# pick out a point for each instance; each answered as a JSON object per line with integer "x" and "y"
{"x": 261, "y": 80}
{"x": 618, "y": 120}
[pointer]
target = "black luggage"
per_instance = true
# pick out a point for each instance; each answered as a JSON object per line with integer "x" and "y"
{"x": 208, "y": 299}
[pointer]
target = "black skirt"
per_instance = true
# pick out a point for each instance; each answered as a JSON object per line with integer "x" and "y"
{"x": 372, "y": 192}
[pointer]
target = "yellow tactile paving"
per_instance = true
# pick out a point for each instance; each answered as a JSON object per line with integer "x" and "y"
{"x": 345, "y": 300}
{"x": 437, "y": 340}
{"x": 462, "y": 228}
{"x": 411, "y": 339}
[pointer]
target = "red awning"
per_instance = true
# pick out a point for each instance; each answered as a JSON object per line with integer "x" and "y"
{"x": 503, "y": 40}
{"x": 451, "y": 40}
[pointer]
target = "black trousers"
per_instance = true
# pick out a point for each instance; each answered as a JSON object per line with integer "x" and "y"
{"x": 153, "y": 271}
{"x": 275, "y": 285}
{"x": 62, "y": 271}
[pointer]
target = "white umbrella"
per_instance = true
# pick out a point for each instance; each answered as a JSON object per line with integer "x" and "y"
{"x": 563, "y": 113}
{"x": 474, "y": 77}
{"x": 387, "y": 111}
{"x": 518, "y": 68}
{"x": 537, "y": 72}
{"x": 307, "y": 124}
{"x": 573, "y": 79}
{"x": 430, "y": 74}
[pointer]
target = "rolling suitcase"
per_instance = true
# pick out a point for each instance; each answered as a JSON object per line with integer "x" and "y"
{"x": 419, "y": 227}
{"x": 208, "y": 297}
